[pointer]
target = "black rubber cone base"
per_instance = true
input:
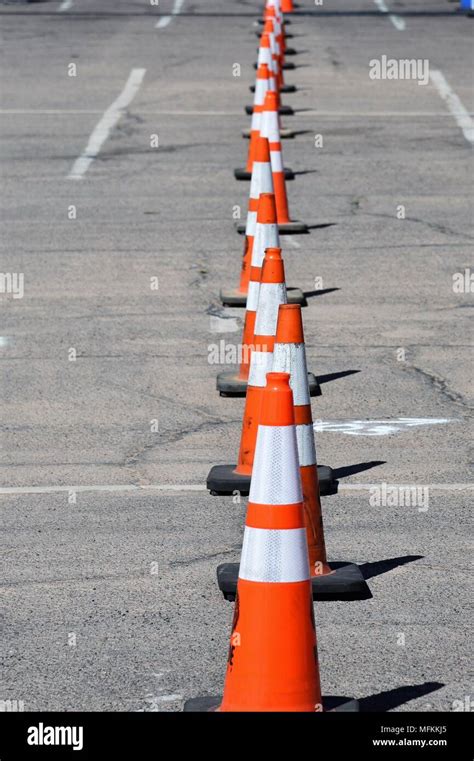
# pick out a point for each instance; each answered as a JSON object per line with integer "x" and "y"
{"x": 291, "y": 51}
{"x": 293, "y": 228}
{"x": 210, "y": 704}
{"x": 283, "y": 110}
{"x": 284, "y": 228}
{"x": 228, "y": 383}
{"x": 242, "y": 174}
{"x": 285, "y": 133}
{"x": 345, "y": 583}
{"x": 223, "y": 481}
{"x": 283, "y": 88}
{"x": 235, "y": 298}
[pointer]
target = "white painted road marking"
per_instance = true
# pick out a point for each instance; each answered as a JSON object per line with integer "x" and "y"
{"x": 65, "y": 5}
{"x": 106, "y": 124}
{"x": 397, "y": 21}
{"x": 376, "y": 427}
{"x": 454, "y": 104}
{"x": 165, "y": 20}
{"x": 183, "y": 488}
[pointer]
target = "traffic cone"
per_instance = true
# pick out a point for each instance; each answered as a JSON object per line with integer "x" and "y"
{"x": 226, "y": 479}
{"x": 261, "y": 182}
{"x": 270, "y": 129}
{"x": 262, "y": 84}
{"x": 274, "y": 65}
{"x": 265, "y": 82}
{"x": 287, "y": 6}
{"x": 330, "y": 581}
{"x": 273, "y": 657}
{"x": 265, "y": 56}
{"x": 231, "y": 382}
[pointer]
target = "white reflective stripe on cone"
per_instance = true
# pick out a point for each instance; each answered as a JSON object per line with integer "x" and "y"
{"x": 276, "y": 468}
{"x": 261, "y": 87}
{"x": 252, "y": 296}
{"x": 277, "y": 163}
{"x": 270, "y": 297}
{"x": 265, "y": 56}
{"x": 261, "y": 181}
{"x": 266, "y": 236}
{"x": 306, "y": 447}
{"x": 274, "y": 555}
{"x": 260, "y": 365}
{"x": 291, "y": 358}
{"x": 256, "y": 121}
{"x": 269, "y": 126}
{"x": 251, "y": 225}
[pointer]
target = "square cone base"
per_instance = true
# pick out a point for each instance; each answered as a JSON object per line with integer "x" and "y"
{"x": 291, "y": 51}
{"x": 293, "y": 228}
{"x": 332, "y": 703}
{"x": 345, "y": 583}
{"x": 283, "y": 88}
{"x": 228, "y": 383}
{"x": 222, "y": 481}
{"x": 283, "y": 110}
{"x": 235, "y": 298}
{"x": 284, "y": 228}
{"x": 242, "y": 174}
{"x": 285, "y": 133}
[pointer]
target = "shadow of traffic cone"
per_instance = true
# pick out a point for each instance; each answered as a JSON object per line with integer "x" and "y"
{"x": 330, "y": 581}
{"x": 273, "y": 657}
{"x": 227, "y": 479}
{"x": 270, "y": 129}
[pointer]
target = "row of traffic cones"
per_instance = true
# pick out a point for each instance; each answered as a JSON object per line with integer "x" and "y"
{"x": 272, "y": 661}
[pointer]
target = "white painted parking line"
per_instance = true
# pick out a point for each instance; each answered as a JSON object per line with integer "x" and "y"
{"x": 377, "y": 427}
{"x": 165, "y": 20}
{"x": 65, "y": 5}
{"x": 454, "y": 104}
{"x": 106, "y": 124}
{"x": 397, "y": 21}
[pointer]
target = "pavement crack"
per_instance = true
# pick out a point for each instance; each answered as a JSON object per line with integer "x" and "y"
{"x": 440, "y": 385}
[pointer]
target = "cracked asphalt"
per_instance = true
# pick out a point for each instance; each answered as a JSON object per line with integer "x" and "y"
{"x": 110, "y": 541}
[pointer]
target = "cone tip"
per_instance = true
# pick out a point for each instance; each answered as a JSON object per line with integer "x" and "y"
{"x": 290, "y": 324}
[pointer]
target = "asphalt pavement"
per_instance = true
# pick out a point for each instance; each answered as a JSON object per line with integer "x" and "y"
{"x": 110, "y": 417}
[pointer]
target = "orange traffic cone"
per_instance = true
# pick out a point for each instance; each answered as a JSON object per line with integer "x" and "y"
{"x": 229, "y": 382}
{"x": 273, "y": 662}
{"x": 273, "y": 658}
{"x": 287, "y": 6}
{"x": 270, "y": 129}
{"x": 265, "y": 56}
{"x": 263, "y": 80}
{"x": 334, "y": 581}
{"x": 272, "y": 29}
{"x": 226, "y": 479}
{"x": 261, "y": 182}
